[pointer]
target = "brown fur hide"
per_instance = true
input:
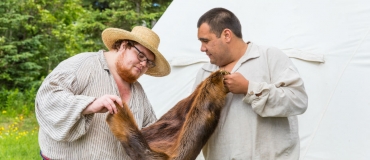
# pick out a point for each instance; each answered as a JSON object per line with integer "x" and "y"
{"x": 180, "y": 133}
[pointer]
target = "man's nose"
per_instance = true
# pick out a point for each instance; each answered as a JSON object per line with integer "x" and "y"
{"x": 203, "y": 48}
{"x": 144, "y": 63}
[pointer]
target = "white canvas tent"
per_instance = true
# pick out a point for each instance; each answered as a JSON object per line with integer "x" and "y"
{"x": 328, "y": 41}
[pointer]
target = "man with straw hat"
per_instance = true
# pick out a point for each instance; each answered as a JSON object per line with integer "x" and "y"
{"x": 74, "y": 99}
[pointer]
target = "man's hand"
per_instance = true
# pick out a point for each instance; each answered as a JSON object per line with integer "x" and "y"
{"x": 236, "y": 83}
{"x": 103, "y": 104}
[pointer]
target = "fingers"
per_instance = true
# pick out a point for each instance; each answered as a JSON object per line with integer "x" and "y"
{"x": 227, "y": 79}
{"x": 118, "y": 100}
{"x": 107, "y": 103}
{"x": 227, "y": 76}
{"x": 110, "y": 106}
{"x": 103, "y": 104}
{"x": 236, "y": 83}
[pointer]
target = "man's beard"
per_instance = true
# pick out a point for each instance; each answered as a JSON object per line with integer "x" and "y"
{"x": 125, "y": 72}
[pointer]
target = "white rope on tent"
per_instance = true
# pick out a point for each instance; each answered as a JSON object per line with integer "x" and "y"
{"x": 183, "y": 61}
{"x": 331, "y": 96}
{"x": 303, "y": 55}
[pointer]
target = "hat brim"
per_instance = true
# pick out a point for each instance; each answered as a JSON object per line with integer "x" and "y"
{"x": 111, "y": 35}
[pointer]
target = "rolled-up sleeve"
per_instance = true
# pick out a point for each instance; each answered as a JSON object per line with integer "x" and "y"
{"x": 282, "y": 97}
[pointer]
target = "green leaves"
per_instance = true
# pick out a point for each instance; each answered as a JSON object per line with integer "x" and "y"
{"x": 35, "y": 35}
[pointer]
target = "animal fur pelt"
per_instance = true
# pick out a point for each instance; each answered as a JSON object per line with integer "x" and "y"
{"x": 179, "y": 134}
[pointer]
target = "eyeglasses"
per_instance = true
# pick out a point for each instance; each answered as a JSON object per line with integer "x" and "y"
{"x": 141, "y": 56}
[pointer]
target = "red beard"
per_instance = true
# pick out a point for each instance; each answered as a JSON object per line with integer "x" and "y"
{"x": 124, "y": 72}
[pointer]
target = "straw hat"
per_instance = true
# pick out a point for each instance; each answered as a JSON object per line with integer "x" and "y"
{"x": 147, "y": 38}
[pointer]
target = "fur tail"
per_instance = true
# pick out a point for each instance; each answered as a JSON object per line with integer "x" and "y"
{"x": 124, "y": 127}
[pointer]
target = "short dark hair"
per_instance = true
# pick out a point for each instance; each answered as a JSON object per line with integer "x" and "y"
{"x": 219, "y": 19}
{"x": 117, "y": 44}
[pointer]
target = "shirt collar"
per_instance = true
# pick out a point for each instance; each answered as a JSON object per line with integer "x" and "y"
{"x": 102, "y": 60}
{"x": 250, "y": 53}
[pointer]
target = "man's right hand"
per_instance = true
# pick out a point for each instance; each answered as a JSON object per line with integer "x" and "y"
{"x": 103, "y": 104}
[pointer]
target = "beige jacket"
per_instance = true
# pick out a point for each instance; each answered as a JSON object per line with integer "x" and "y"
{"x": 264, "y": 127}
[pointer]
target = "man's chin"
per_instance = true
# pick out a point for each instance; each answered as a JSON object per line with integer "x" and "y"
{"x": 129, "y": 78}
{"x": 212, "y": 62}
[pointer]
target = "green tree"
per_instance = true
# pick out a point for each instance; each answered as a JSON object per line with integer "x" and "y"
{"x": 18, "y": 46}
{"x": 35, "y": 35}
{"x": 118, "y": 14}
{"x": 30, "y": 44}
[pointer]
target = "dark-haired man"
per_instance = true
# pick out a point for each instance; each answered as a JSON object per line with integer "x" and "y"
{"x": 259, "y": 119}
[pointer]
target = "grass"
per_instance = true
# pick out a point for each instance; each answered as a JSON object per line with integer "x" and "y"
{"x": 18, "y": 136}
{"x": 18, "y": 125}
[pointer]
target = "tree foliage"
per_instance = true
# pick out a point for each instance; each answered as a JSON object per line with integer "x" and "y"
{"x": 35, "y": 35}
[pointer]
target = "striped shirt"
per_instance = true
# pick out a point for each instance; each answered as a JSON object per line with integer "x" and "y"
{"x": 75, "y": 83}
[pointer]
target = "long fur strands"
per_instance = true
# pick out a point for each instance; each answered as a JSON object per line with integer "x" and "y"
{"x": 179, "y": 134}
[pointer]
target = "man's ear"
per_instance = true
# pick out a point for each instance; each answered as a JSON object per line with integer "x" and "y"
{"x": 123, "y": 45}
{"x": 227, "y": 34}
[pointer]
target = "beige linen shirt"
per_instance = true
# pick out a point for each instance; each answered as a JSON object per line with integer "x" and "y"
{"x": 261, "y": 127}
{"x": 75, "y": 83}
